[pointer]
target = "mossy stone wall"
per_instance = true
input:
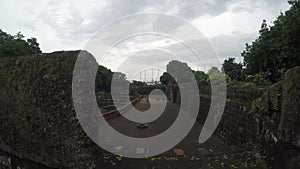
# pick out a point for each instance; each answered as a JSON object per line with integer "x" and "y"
{"x": 37, "y": 118}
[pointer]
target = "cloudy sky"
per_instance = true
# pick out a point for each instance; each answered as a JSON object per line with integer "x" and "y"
{"x": 68, "y": 25}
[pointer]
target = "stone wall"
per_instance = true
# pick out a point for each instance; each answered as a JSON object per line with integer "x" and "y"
{"x": 266, "y": 117}
{"x": 37, "y": 118}
{"x": 238, "y": 125}
{"x": 38, "y": 121}
{"x": 278, "y": 112}
{"x": 279, "y": 107}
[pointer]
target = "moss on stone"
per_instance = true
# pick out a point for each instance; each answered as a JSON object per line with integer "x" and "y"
{"x": 37, "y": 111}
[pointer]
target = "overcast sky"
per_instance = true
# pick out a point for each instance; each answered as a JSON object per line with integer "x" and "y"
{"x": 68, "y": 25}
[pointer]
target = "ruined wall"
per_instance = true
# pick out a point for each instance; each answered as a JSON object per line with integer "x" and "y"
{"x": 37, "y": 119}
{"x": 278, "y": 112}
{"x": 279, "y": 107}
{"x": 238, "y": 125}
{"x": 268, "y": 118}
{"x": 38, "y": 122}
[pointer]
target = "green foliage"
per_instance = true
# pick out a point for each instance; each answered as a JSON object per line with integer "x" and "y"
{"x": 232, "y": 69}
{"x": 201, "y": 76}
{"x": 213, "y": 70}
{"x": 147, "y": 89}
{"x": 11, "y": 46}
{"x": 258, "y": 79}
{"x": 278, "y": 47}
{"x": 178, "y": 98}
{"x": 177, "y": 67}
{"x": 135, "y": 87}
{"x": 119, "y": 76}
{"x": 228, "y": 79}
{"x": 180, "y": 70}
{"x": 4, "y": 37}
{"x": 214, "y": 74}
{"x": 103, "y": 79}
{"x": 166, "y": 78}
{"x": 138, "y": 83}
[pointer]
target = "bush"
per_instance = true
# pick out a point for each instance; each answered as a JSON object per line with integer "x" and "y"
{"x": 258, "y": 79}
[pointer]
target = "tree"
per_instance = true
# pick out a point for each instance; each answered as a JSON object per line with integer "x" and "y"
{"x": 4, "y": 37}
{"x": 118, "y": 76}
{"x": 214, "y": 74}
{"x": 180, "y": 71}
{"x": 19, "y": 36}
{"x": 138, "y": 83}
{"x": 103, "y": 79}
{"x": 277, "y": 48}
{"x": 201, "y": 76}
{"x": 232, "y": 69}
{"x": 15, "y": 45}
{"x": 213, "y": 70}
{"x": 166, "y": 78}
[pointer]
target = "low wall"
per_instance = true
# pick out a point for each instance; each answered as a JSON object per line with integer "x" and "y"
{"x": 266, "y": 117}
{"x": 238, "y": 125}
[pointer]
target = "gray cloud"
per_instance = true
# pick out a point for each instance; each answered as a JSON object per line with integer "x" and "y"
{"x": 72, "y": 20}
{"x": 231, "y": 45}
{"x": 65, "y": 25}
{"x": 195, "y": 8}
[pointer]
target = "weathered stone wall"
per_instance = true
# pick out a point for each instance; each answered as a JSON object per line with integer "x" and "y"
{"x": 274, "y": 110}
{"x": 238, "y": 125}
{"x": 37, "y": 118}
{"x": 268, "y": 118}
{"x": 278, "y": 112}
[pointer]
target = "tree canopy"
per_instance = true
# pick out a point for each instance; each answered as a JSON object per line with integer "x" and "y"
{"x": 201, "y": 76}
{"x": 166, "y": 78}
{"x": 277, "y": 48}
{"x": 233, "y": 69}
{"x": 15, "y": 45}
